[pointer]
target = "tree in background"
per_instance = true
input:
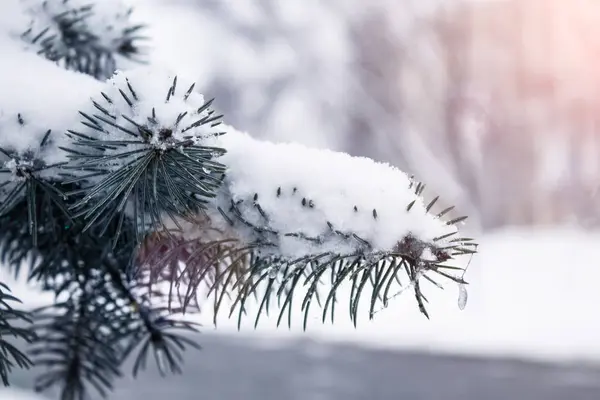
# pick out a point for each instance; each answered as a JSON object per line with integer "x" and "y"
{"x": 491, "y": 102}
{"x": 520, "y": 103}
{"x": 124, "y": 197}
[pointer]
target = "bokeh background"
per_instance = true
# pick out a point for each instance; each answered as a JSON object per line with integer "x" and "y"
{"x": 495, "y": 104}
{"x": 492, "y": 102}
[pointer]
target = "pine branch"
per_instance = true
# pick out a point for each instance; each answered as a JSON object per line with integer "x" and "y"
{"x": 72, "y": 262}
{"x": 230, "y": 269}
{"x": 123, "y": 316}
{"x": 143, "y": 152}
{"x": 158, "y": 200}
{"x": 338, "y": 221}
{"x": 28, "y": 176}
{"x": 188, "y": 265}
{"x": 75, "y": 348}
{"x": 262, "y": 234}
{"x": 84, "y": 36}
{"x": 148, "y": 327}
{"x": 11, "y": 356}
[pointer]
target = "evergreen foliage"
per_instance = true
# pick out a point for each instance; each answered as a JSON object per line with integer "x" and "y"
{"x": 78, "y": 37}
{"x": 127, "y": 217}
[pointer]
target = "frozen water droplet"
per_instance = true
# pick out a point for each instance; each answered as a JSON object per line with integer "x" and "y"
{"x": 206, "y": 170}
{"x": 160, "y": 360}
{"x": 273, "y": 272}
{"x": 462, "y": 296}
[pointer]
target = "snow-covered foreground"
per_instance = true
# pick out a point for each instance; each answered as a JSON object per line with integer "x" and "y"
{"x": 16, "y": 394}
{"x": 532, "y": 294}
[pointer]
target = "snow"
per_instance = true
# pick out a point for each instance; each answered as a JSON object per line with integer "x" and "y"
{"x": 16, "y": 394}
{"x": 105, "y": 20}
{"x": 35, "y": 108}
{"x": 148, "y": 89}
{"x": 108, "y": 22}
{"x": 13, "y": 19}
{"x": 305, "y": 191}
{"x": 130, "y": 99}
{"x": 302, "y": 190}
{"x": 52, "y": 105}
{"x": 532, "y": 294}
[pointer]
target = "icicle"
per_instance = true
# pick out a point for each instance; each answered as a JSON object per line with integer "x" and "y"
{"x": 159, "y": 355}
{"x": 273, "y": 272}
{"x": 462, "y": 296}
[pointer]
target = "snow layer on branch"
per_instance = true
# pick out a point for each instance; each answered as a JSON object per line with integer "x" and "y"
{"x": 152, "y": 86}
{"x": 108, "y": 21}
{"x": 161, "y": 104}
{"x": 46, "y": 97}
{"x": 299, "y": 191}
{"x": 13, "y": 21}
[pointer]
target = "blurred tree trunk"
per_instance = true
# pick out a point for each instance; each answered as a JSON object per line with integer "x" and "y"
{"x": 454, "y": 35}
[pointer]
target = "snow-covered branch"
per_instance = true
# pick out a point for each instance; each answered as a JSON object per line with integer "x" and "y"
{"x": 89, "y": 37}
{"x": 303, "y": 201}
{"x": 151, "y": 143}
{"x": 131, "y": 191}
{"x": 316, "y": 213}
{"x": 149, "y": 147}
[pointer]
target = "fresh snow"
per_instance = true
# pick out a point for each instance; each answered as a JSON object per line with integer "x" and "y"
{"x": 142, "y": 94}
{"x": 13, "y": 20}
{"x": 148, "y": 88}
{"x": 301, "y": 190}
{"x": 52, "y": 104}
{"x": 106, "y": 21}
{"x": 16, "y": 394}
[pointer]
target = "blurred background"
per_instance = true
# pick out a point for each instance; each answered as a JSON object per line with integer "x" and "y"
{"x": 494, "y": 104}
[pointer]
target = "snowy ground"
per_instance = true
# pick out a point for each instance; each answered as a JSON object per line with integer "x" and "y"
{"x": 18, "y": 394}
{"x": 532, "y": 295}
